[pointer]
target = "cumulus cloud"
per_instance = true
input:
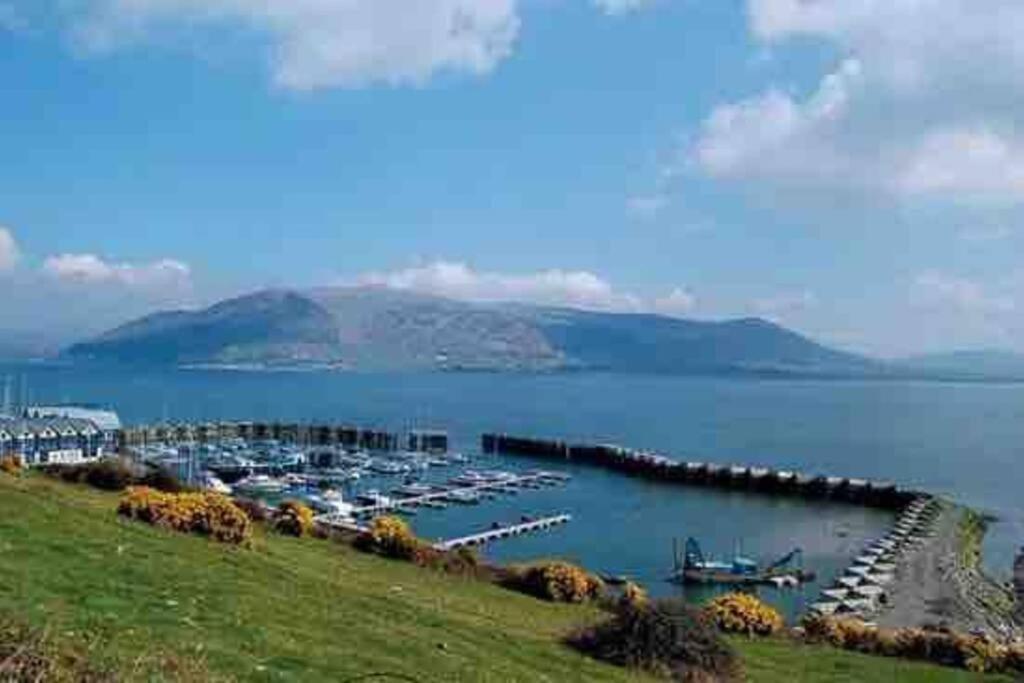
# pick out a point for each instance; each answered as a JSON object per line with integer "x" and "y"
{"x": 921, "y": 105}
{"x": 577, "y": 289}
{"x": 9, "y": 253}
{"x": 327, "y": 43}
{"x": 91, "y": 269}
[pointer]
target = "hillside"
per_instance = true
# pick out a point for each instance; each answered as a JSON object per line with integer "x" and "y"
{"x": 152, "y": 605}
{"x": 372, "y": 328}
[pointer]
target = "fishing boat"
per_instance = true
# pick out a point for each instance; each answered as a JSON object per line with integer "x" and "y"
{"x": 695, "y": 568}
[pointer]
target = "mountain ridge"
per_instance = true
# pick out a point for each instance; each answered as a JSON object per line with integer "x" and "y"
{"x": 377, "y": 328}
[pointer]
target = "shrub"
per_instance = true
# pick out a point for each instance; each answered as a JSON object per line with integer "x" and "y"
{"x": 10, "y": 464}
{"x": 255, "y": 510}
{"x": 161, "y": 479}
{"x": 293, "y": 519}
{"x": 744, "y": 613}
{"x": 664, "y": 637}
{"x": 556, "y": 581}
{"x": 390, "y": 537}
{"x": 974, "y": 653}
{"x": 633, "y": 595}
{"x": 208, "y": 514}
{"x": 106, "y": 475}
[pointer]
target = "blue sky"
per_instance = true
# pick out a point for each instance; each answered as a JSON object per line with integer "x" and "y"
{"x": 852, "y": 170}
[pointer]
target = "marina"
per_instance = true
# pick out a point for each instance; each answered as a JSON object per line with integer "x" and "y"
{"x": 622, "y": 525}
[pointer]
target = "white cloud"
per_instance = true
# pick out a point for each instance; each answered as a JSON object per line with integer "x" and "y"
{"x": 677, "y": 303}
{"x": 937, "y": 289}
{"x": 778, "y": 306}
{"x": 577, "y": 289}
{"x": 924, "y": 103}
{"x": 616, "y": 7}
{"x": 91, "y": 269}
{"x": 775, "y": 136}
{"x": 976, "y": 162}
{"x": 9, "y": 253}
{"x": 326, "y": 43}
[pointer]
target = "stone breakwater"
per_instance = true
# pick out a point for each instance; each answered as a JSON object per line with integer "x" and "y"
{"x": 883, "y": 495}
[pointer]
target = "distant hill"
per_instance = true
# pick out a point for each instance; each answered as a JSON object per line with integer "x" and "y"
{"x": 376, "y": 328}
{"x": 990, "y": 364}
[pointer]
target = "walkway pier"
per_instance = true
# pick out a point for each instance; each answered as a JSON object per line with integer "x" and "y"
{"x": 504, "y": 532}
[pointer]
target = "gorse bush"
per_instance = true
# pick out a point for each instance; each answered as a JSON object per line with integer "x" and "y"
{"x": 556, "y": 581}
{"x": 292, "y": 518}
{"x": 664, "y": 637}
{"x": 10, "y": 464}
{"x": 974, "y": 653}
{"x": 744, "y": 613}
{"x": 390, "y": 537}
{"x": 208, "y": 514}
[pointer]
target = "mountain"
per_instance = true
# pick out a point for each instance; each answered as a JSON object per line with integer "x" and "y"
{"x": 375, "y": 328}
{"x": 985, "y": 364}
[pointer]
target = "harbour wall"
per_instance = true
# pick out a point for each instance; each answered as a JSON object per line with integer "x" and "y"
{"x": 884, "y": 495}
{"x": 295, "y": 433}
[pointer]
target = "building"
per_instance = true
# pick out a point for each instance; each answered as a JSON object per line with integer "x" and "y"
{"x": 106, "y": 421}
{"x": 51, "y": 440}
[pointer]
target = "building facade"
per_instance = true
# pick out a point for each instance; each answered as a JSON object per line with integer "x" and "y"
{"x": 43, "y": 437}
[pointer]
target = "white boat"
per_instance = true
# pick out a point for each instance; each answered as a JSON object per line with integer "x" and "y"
{"x": 261, "y": 483}
{"x": 463, "y": 497}
{"x": 211, "y": 482}
{"x": 374, "y": 498}
{"x": 414, "y": 490}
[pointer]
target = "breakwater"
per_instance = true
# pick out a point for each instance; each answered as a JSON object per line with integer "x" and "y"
{"x": 654, "y": 466}
{"x": 286, "y": 432}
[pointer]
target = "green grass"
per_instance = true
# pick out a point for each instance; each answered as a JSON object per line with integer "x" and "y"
{"x": 146, "y": 603}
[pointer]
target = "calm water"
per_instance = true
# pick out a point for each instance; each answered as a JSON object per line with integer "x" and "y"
{"x": 965, "y": 440}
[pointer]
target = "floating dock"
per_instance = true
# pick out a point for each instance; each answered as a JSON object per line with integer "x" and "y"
{"x": 655, "y": 466}
{"x": 501, "y": 532}
{"x": 406, "y": 503}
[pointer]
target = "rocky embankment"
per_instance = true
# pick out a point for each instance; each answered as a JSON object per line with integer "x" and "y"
{"x": 941, "y": 583}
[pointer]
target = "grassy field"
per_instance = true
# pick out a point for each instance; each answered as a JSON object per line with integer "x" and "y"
{"x": 150, "y": 604}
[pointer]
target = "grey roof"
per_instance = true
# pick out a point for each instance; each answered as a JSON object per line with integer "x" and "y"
{"x": 56, "y": 425}
{"x": 106, "y": 420}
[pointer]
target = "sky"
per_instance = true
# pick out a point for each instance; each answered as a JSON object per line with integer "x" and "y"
{"x": 852, "y": 170}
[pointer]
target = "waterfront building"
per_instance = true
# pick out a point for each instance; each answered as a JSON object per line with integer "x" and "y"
{"x": 107, "y": 422}
{"x": 48, "y": 435}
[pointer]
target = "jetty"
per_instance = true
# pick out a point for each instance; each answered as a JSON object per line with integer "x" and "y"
{"x": 400, "y": 503}
{"x": 659, "y": 467}
{"x": 503, "y": 531}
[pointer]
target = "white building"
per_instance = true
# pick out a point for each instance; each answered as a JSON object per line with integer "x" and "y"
{"x": 51, "y": 440}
